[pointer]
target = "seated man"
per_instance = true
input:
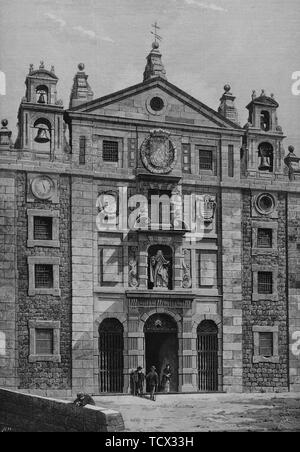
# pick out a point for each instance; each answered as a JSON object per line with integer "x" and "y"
{"x": 83, "y": 400}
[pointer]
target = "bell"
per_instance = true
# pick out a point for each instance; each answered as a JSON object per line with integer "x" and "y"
{"x": 264, "y": 164}
{"x": 42, "y": 98}
{"x": 42, "y": 136}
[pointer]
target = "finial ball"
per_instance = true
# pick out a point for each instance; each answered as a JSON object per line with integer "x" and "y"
{"x": 291, "y": 149}
{"x": 81, "y": 66}
{"x": 4, "y": 122}
{"x": 227, "y": 88}
{"x": 155, "y": 45}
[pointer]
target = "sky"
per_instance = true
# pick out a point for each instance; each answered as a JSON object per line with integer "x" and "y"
{"x": 250, "y": 44}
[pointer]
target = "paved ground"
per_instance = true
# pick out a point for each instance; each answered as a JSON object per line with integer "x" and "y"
{"x": 208, "y": 412}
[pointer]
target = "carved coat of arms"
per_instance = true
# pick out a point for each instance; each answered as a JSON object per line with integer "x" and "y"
{"x": 158, "y": 153}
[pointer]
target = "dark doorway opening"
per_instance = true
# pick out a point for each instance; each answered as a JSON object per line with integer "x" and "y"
{"x": 207, "y": 350}
{"x": 161, "y": 347}
{"x": 111, "y": 360}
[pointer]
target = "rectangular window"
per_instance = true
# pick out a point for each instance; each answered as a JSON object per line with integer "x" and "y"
{"x": 206, "y": 160}
{"x": 186, "y": 158}
{"x": 110, "y": 151}
{"x": 42, "y": 228}
{"x": 206, "y": 269}
{"x": 44, "y": 341}
{"x": 264, "y": 238}
{"x": 265, "y": 282}
{"x": 43, "y": 276}
{"x": 111, "y": 265}
{"x": 82, "y": 150}
{"x": 230, "y": 160}
{"x": 266, "y": 344}
{"x": 160, "y": 208}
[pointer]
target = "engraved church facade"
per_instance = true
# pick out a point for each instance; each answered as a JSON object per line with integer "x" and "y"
{"x": 144, "y": 228}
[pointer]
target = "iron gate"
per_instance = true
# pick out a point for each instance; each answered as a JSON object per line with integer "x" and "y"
{"x": 207, "y": 348}
{"x": 111, "y": 360}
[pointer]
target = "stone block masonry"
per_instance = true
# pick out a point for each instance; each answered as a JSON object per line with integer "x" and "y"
{"x": 259, "y": 374}
{"x": 294, "y": 289}
{"x": 43, "y": 375}
{"x": 7, "y": 280}
{"x": 232, "y": 290}
{"x": 28, "y": 413}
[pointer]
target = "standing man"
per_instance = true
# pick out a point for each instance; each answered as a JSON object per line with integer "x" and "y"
{"x": 152, "y": 379}
{"x": 140, "y": 381}
{"x": 166, "y": 379}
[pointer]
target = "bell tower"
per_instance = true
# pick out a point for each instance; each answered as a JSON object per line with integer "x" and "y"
{"x": 262, "y": 148}
{"x": 40, "y": 117}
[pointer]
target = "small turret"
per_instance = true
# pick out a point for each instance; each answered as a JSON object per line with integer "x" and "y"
{"x": 154, "y": 67}
{"x": 81, "y": 91}
{"x": 227, "y": 107}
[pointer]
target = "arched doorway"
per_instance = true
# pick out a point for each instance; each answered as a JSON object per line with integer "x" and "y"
{"x": 207, "y": 351}
{"x": 111, "y": 359}
{"x": 161, "y": 346}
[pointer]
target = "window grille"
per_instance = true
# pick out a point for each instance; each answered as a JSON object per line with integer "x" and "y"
{"x": 206, "y": 160}
{"x": 110, "y": 151}
{"x": 42, "y": 228}
{"x": 44, "y": 341}
{"x": 266, "y": 344}
{"x": 43, "y": 276}
{"x": 265, "y": 282}
{"x": 264, "y": 238}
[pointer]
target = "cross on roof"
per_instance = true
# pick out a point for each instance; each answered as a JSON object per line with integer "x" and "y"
{"x": 156, "y": 35}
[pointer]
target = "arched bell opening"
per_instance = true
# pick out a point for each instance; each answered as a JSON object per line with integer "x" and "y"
{"x": 111, "y": 356}
{"x": 265, "y": 121}
{"x": 42, "y": 94}
{"x": 266, "y": 155}
{"x": 42, "y": 136}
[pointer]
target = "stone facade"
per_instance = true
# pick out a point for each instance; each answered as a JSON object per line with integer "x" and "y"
{"x": 97, "y": 282}
{"x": 43, "y": 307}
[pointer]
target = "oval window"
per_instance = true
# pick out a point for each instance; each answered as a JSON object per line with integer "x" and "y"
{"x": 157, "y": 104}
{"x": 265, "y": 203}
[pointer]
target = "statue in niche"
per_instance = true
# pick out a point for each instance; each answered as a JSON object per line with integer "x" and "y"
{"x": 159, "y": 270}
{"x": 133, "y": 272}
{"x": 186, "y": 280}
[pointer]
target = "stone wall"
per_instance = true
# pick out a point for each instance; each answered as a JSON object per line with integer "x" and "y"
{"x": 294, "y": 289}
{"x": 7, "y": 280}
{"x": 265, "y": 376}
{"x": 27, "y": 413}
{"x": 44, "y": 375}
{"x": 232, "y": 290}
{"x": 84, "y": 242}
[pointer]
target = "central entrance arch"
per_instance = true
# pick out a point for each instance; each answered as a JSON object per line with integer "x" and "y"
{"x": 161, "y": 346}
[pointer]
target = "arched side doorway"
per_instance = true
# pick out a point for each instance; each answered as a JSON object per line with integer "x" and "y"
{"x": 161, "y": 346}
{"x": 207, "y": 351}
{"x": 111, "y": 358}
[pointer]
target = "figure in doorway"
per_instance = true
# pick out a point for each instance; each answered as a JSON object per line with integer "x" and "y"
{"x": 159, "y": 272}
{"x": 166, "y": 379}
{"x": 138, "y": 381}
{"x": 152, "y": 379}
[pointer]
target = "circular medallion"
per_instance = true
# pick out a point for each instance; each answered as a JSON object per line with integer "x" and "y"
{"x": 42, "y": 187}
{"x": 265, "y": 203}
{"x": 156, "y": 103}
{"x": 158, "y": 153}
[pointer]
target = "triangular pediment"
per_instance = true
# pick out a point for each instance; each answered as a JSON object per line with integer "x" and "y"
{"x": 135, "y": 103}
